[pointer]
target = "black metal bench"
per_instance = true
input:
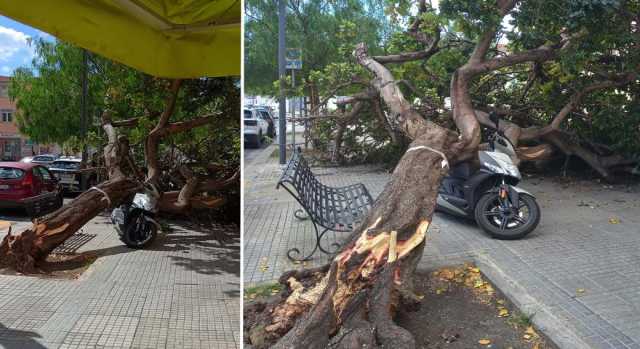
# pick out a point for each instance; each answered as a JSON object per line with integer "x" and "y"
{"x": 337, "y": 209}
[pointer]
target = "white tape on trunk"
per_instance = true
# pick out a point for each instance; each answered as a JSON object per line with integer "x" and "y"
{"x": 445, "y": 162}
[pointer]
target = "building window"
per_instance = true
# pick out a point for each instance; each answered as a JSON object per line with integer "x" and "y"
{"x": 7, "y": 116}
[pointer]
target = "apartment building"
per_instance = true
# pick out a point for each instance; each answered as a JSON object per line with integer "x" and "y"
{"x": 13, "y": 145}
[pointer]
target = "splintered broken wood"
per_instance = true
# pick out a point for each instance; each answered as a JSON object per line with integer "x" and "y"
{"x": 380, "y": 248}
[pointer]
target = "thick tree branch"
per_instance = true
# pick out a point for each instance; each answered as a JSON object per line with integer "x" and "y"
{"x": 410, "y": 121}
{"x": 576, "y": 98}
{"x": 181, "y": 126}
{"x": 153, "y": 139}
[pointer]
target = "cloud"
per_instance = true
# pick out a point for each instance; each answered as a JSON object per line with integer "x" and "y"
{"x": 13, "y": 43}
{"x": 15, "y": 50}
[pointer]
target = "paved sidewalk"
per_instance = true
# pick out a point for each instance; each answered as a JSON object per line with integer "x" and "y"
{"x": 181, "y": 292}
{"x": 578, "y": 274}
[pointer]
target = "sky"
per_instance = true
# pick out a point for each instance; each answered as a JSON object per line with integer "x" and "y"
{"x": 14, "y": 50}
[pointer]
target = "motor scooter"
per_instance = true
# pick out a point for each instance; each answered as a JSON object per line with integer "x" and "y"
{"x": 490, "y": 195}
{"x": 135, "y": 221}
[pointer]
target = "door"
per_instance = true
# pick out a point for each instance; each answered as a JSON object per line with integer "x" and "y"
{"x": 49, "y": 183}
{"x": 48, "y": 186}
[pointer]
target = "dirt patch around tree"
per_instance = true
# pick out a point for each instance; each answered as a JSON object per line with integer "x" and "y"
{"x": 460, "y": 310}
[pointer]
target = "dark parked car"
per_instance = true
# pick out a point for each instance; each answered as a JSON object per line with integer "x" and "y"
{"x": 29, "y": 186}
{"x": 69, "y": 171}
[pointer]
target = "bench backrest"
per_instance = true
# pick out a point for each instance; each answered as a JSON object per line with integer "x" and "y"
{"x": 336, "y": 208}
{"x": 321, "y": 202}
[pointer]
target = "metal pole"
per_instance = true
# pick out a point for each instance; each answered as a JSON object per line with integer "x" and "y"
{"x": 83, "y": 115}
{"x": 306, "y": 122}
{"x": 293, "y": 111}
{"x": 282, "y": 126}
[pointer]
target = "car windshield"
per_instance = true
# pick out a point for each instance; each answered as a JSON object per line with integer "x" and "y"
{"x": 66, "y": 165}
{"x": 248, "y": 114}
{"x": 43, "y": 158}
{"x": 10, "y": 173}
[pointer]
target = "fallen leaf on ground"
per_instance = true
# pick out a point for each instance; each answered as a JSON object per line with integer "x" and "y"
{"x": 500, "y": 301}
{"x": 614, "y": 220}
{"x": 484, "y": 341}
{"x": 530, "y": 331}
{"x": 503, "y": 312}
{"x": 527, "y": 336}
{"x": 580, "y": 291}
{"x": 447, "y": 274}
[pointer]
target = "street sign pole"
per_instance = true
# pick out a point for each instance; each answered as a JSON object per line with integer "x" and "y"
{"x": 282, "y": 126}
{"x": 293, "y": 111}
{"x": 293, "y": 62}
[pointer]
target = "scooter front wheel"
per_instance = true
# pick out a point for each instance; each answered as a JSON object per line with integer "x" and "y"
{"x": 507, "y": 224}
{"x": 140, "y": 232}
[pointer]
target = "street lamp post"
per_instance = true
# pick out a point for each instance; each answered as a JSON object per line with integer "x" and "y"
{"x": 282, "y": 126}
{"x": 83, "y": 114}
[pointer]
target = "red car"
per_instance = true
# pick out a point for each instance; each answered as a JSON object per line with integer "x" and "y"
{"x": 29, "y": 186}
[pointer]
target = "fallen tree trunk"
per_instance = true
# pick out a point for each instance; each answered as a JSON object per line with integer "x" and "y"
{"x": 23, "y": 251}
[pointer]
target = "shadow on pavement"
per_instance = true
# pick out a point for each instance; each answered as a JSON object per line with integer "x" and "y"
{"x": 221, "y": 257}
{"x": 18, "y": 339}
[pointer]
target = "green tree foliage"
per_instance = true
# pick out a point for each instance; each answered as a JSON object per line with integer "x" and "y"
{"x": 48, "y": 94}
{"x": 317, "y": 27}
{"x": 607, "y": 46}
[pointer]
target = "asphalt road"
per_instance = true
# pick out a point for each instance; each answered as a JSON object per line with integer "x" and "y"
{"x": 18, "y": 215}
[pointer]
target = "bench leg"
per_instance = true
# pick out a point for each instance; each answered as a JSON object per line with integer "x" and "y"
{"x": 294, "y": 252}
{"x": 335, "y": 245}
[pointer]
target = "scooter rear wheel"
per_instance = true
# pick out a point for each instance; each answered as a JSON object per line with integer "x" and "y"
{"x": 507, "y": 225}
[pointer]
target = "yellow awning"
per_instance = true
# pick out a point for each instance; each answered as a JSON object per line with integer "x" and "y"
{"x": 165, "y": 38}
